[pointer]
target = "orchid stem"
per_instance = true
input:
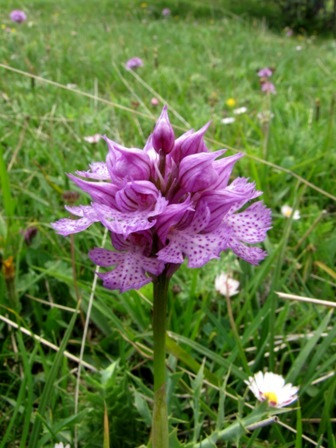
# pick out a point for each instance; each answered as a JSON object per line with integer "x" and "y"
{"x": 160, "y": 413}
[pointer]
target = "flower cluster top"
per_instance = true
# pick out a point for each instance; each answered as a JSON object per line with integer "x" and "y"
{"x": 169, "y": 201}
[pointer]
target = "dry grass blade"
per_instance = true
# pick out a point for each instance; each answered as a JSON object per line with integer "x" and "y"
{"x": 283, "y": 295}
{"x": 47, "y": 343}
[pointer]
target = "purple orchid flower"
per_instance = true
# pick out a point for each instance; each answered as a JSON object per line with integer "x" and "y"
{"x": 134, "y": 63}
{"x": 268, "y": 87}
{"x": 18, "y": 16}
{"x": 164, "y": 204}
{"x": 265, "y": 72}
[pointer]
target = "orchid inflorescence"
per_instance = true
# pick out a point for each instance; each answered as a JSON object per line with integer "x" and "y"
{"x": 167, "y": 202}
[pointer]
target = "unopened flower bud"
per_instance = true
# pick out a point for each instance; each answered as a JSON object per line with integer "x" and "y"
{"x": 163, "y": 135}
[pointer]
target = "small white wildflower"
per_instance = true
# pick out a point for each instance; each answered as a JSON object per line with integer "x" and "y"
{"x": 226, "y": 285}
{"x": 60, "y": 445}
{"x": 240, "y": 110}
{"x": 287, "y": 212}
{"x": 273, "y": 388}
{"x": 93, "y": 138}
{"x": 228, "y": 120}
{"x": 298, "y": 48}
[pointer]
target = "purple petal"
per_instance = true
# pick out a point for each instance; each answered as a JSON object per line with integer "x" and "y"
{"x": 101, "y": 192}
{"x": 130, "y": 271}
{"x": 251, "y": 225}
{"x": 98, "y": 171}
{"x": 127, "y": 163}
{"x": 252, "y": 255}
{"x": 126, "y": 223}
{"x": 224, "y": 168}
{"x": 198, "y": 248}
{"x": 172, "y": 216}
{"x": 68, "y": 226}
{"x": 197, "y": 171}
{"x": 190, "y": 143}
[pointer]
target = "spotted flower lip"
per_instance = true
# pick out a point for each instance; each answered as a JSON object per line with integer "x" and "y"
{"x": 272, "y": 388}
{"x": 166, "y": 203}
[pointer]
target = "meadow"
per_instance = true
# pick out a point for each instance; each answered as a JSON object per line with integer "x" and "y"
{"x": 63, "y": 79}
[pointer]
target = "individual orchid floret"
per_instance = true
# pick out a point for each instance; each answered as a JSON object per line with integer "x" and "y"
{"x": 226, "y": 285}
{"x": 190, "y": 143}
{"x": 197, "y": 171}
{"x": 166, "y": 203}
{"x": 132, "y": 266}
{"x": 127, "y": 163}
{"x": 163, "y": 137}
{"x": 272, "y": 388}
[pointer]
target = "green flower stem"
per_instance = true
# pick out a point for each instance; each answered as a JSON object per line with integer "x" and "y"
{"x": 160, "y": 413}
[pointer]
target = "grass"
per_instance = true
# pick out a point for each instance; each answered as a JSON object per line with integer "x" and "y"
{"x": 194, "y": 61}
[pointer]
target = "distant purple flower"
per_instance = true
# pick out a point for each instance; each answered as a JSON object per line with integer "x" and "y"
{"x": 265, "y": 72}
{"x": 18, "y": 16}
{"x": 134, "y": 63}
{"x": 29, "y": 234}
{"x": 155, "y": 102}
{"x": 168, "y": 202}
{"x": 268, "y": 87}
{"x": 166, "y": 12}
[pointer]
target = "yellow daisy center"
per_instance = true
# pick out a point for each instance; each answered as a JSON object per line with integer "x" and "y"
{"x": 271, "y": 397}
{"x": 231, "y": 102}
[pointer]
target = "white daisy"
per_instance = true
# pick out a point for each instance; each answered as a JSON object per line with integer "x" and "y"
{"x": 93, "y": 138}
{"x": 240, "y": 110}
{"x": 60, "y": 445}
{"x": 228, "y": 120}
{"x": 226, "y": 285}
{"x": 271, "y": 387}
{"x": 287, "y": 212}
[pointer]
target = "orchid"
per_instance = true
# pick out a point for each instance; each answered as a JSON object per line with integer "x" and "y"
{"x": 166, "y": 203}
{"x": 18, "y": 16}
{"x": 169, "y": 202}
